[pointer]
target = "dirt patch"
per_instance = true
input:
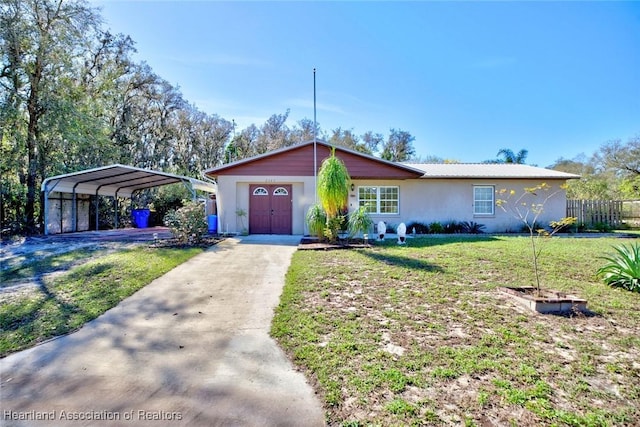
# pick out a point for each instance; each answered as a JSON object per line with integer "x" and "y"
{"x": 424, "y": 334}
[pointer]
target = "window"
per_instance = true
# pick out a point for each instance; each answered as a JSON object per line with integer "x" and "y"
{"x": 483, "y": 200}
{"x": 260, "y": 191}
{"x": 280, "y": 191}
{"x": 379, "y": 200}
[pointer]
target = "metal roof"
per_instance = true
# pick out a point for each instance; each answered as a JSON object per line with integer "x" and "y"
{"x": 118, "y": 180}
{"x": 489, "y": 170}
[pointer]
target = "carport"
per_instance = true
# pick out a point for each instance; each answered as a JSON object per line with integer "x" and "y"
{"x": 115, "y": 181}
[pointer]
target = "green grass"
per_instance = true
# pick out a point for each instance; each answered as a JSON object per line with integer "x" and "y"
{"x": 418, "y": 335}
{"x": 66, "y": 302}
{"x": 36, "y": 266}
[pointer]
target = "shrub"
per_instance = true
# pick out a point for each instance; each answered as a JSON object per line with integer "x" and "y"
{"x": 436, "y": 228}
{"x": 451, "y": 227}
{"x": 471, "y": 227}
{"x": 188, "y": 224}
{"x": 535, "y": 226}
{"x": 169, "y": 198}
{"x": 623, "y": 269}
{"x": 602, "y": 227}
{"x": 359, "y": 221}
{"x": 562, "y": 226}
{"x": 419, "y": 227}
{"x": 316, "y": 220}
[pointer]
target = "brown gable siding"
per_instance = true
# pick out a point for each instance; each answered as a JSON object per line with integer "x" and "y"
{"x": 298, "y": 161}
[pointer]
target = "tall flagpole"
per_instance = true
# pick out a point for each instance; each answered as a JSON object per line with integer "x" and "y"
{"x": 315, "y": 156}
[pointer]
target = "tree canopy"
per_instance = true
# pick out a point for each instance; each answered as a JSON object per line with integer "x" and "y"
{"x": 612, "y": 172}
{"x": 72, "y": 97}
{"x": 399, "y": 146}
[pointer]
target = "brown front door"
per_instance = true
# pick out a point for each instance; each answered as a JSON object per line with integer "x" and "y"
{"x": 270, "y": 209}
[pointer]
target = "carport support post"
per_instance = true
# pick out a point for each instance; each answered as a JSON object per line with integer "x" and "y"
{"x": 61, "y": 214}
{"x": 189, "y": 187}
{"x": 46, "y": 210}
{"x": 115, "y": 203}
{"x": 74, "y": 212}
{"x": 46, "y": 190}
{"x": 97, "y": 208}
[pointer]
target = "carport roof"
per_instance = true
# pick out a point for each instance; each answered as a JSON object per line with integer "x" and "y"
{"x": 118, "y": 180}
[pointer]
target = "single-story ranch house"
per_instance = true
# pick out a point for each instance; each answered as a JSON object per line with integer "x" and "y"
{"x": 275, "y": 190}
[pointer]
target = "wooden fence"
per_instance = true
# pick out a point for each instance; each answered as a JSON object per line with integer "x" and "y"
{"x": 591, "y": 212}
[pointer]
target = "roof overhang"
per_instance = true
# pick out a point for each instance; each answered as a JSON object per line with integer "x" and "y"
{"x": 118, "y": 180}
{"x": 489, "y": 171}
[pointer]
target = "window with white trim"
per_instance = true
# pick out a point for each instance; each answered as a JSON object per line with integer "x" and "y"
{"x": 379, "y": 199}
{"x": 484, "y": 200}
{"x": 260, "y": 191}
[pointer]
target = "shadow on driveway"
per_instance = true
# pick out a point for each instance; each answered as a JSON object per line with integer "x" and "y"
{"x": 191, "y": 348}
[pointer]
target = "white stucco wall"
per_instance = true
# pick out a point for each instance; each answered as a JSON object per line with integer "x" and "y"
{"x": 233, "y": 194}
{"x": 421, "y": 200}
{"x": 440, "y": 200}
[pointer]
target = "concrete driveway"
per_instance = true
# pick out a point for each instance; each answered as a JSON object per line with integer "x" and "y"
{"x": 191, "y": 348}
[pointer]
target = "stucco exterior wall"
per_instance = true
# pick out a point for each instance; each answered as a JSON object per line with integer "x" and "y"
{"x": 421, "y": 200}
{"x": 233, "y": 194}
{"x": 442, "y": 200}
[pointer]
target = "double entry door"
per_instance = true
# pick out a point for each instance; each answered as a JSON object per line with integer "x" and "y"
{"x": 270, "y": 209}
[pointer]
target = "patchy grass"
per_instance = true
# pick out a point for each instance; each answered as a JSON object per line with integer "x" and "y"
{"x": 418, "y": 334}
{"x": 37, "y": 265}
{"x": 65, "y": 302}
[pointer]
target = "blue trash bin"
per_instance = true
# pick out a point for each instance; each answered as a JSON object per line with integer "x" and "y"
{"x": 140, "y": 217}
{"x": 212, "y": 221}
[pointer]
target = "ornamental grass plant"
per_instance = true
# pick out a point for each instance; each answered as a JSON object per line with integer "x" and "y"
{"x": 333, "y": 190}
{"x": 623, "y": 268}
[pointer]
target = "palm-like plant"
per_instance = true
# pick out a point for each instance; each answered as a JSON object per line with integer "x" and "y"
{"x": 317, "y": 220}
{"x": 359, "y": 221}
{"x": 333, "y": 190}
{"x": 333, "y": 185}
{"x": 510, "y": 157}
{"x": 623, "y": 269}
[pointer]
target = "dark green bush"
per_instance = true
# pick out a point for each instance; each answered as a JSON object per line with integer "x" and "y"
{"x": 419, "y": 227}
{"x": 602, "y": 227}
{"x": 169, "y": 198}
{"x": 471, "y": 227}
{"x": 436, "y": 228}
{"x": 452, "y": 227}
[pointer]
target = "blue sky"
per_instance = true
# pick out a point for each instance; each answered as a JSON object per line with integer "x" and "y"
{"x": 464, "y": 78}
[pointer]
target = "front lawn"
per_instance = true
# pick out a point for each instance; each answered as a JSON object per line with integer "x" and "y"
{"x": 65, "y": 302}
{"x": 417, "y": 335}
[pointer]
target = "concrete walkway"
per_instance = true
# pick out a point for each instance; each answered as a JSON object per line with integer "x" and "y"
{"x": 191, "y": 348}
